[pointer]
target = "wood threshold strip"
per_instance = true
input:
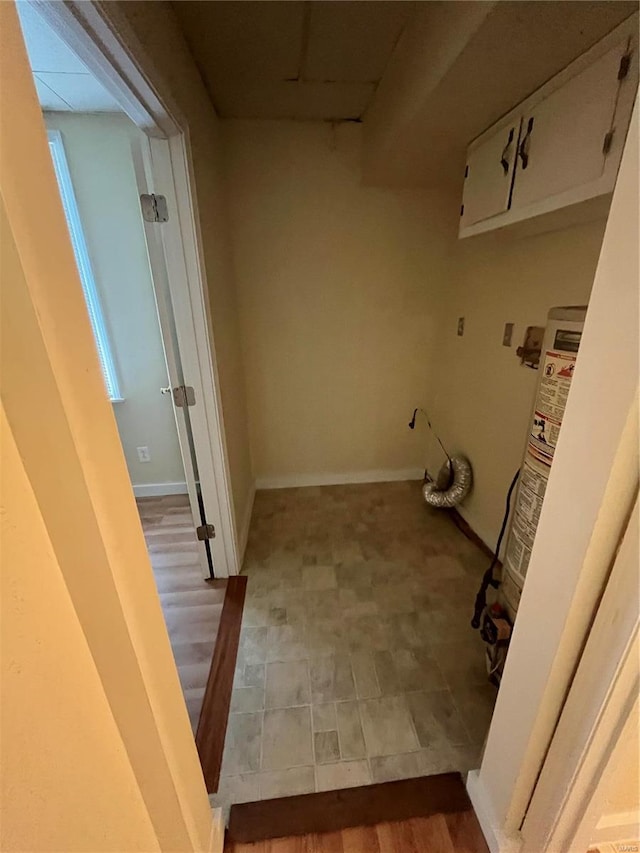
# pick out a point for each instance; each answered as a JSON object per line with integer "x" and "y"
{"x": 331, "y": 811}
{"x": 212, "y": 725}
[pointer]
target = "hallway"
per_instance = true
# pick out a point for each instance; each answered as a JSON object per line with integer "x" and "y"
{"x": 356, "y": 663}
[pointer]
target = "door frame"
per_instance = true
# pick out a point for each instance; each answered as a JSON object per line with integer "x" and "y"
{"x": 92, "y": 33}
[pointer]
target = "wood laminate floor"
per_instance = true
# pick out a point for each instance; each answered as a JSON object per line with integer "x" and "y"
{"x": 191, "y": 605}
{"x": 452, "y": 833}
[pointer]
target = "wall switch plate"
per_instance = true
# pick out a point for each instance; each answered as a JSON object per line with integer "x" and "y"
{"x": 460, "y": 326}
{"x": 143, "y": 454}
{"x": 508, "y": 334}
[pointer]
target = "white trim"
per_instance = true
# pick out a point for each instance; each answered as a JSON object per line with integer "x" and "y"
{"x": 102, "y": 37}
{"x": 616, "y": 827}
{"x": 243, "y": 533}
{"x": 292, "y": 481}
{"x": 218, "y": 829}
{"x": 153, "y": 490}
{"x": 497, "y": 841}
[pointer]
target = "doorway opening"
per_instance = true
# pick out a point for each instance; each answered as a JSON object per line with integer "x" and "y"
{"x": 103, "y": 162}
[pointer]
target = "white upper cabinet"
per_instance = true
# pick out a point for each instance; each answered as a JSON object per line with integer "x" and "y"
{"x": 489, "y": 173}
{"x": 566, "y": 141}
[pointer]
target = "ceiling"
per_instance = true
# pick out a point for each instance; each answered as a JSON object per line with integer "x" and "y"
{"x": 63, "y": 82}
{"x": 302, "y": 60}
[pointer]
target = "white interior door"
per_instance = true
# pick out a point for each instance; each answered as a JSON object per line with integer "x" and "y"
{"x": 184, "y": 392}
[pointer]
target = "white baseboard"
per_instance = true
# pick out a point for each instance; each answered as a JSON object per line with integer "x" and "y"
{"x": 243, "y": 532}
{"x": 616, "y": 828}
{"x": 154, "y": 490}
{"x": 497, "y": 840}
{"x": 289, "y": 481}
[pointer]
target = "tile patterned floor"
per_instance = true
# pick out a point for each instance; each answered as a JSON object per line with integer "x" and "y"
{"x": 356, "y": 663}
{"x": 191, "y": 605}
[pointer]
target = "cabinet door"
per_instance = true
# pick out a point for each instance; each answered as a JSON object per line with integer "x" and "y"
{"x": 489, "y": 173}
{"x": 562, "y": 137}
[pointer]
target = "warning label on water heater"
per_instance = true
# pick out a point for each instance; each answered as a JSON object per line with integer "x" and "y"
{"x": 555, "y": 381}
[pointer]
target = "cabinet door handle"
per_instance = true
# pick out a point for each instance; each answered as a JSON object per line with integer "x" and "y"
{"x": 523, "y": 148}
{"x": 505, "y": 151}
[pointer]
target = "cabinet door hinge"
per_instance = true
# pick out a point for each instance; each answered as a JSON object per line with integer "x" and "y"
{"x": 625, "y": 65}
{"x": 607, "y": 142}
{"x": 205, "y": 531}
{"x": 184, "y": 395}
{"x": 154, "y": 208}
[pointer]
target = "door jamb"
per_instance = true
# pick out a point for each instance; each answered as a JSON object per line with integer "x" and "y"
{"x": 101, "y": 38}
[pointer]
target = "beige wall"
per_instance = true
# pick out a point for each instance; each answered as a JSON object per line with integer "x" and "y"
{"x": 66, "y": 779}
{"x": 340, "y": 290}
{"x": 483, "y": 396}
{"x": 156, "y": 28}
{"x": 109, "y": 210}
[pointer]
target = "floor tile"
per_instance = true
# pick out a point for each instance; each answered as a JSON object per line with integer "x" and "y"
{"x": 242, "y": 744}
{"x": 331, "y": 679}
{"x": 391, "y": 767}
{"x": 326, "y": 747}
{"x": 247, "y": 699}
{"x": 324, "y": 717}
{"x": 350, "y": 730}
{"x": 387, "y": 726}
{"x": 287, "y": 783}
{"x": 287, "y": 684}
{"x": 364, "y": 674}
{"x": 343, "y": 774}
{"x": 319, "y": 577}
{"x": 286, "y": 740}
{"x": 252, "y": 675}
{"x": 437, "y": 719}
{"x": 286, "y": 642}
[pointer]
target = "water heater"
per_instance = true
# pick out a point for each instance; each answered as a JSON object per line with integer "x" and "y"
{"x": 557, "y": 362}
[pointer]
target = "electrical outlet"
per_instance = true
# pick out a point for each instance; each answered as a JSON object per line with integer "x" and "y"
{"x": 143, "y": 454}
{"x": 460, "y": 326}
{"x": 508, "y": 334}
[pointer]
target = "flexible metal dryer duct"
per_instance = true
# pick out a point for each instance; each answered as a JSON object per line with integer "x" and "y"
{"x": 452, "y": 485}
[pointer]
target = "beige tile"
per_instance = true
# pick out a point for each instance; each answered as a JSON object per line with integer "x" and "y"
{"x": 286, "y": 739}
{"x": 387, "y": 674}
{"x": 326, "y": 747}
{"x": 343, "y": 774}
{"x": 252, "y": 676}
{"x": 331, "y": 679}
{"x": 350, "y": 730}
{"x": 417, "y": 670}
{"x": 364, "y": 674}
{"x": 287, "y": 684}
{"x": 286, "y": 642}
{"x": 242, "y": 744}
{"x": 319, "y": 577}
{"x": 247, "y": 699}
{"x": 287, "y": 783}
{"x": 324, "y": 717}
{"x": 387, "y": 726}
{"x": 436, "y": 719}
{"x": 391, "y": 767}
{"x": 253, "y": 644}
{"x": 243, "y": 788}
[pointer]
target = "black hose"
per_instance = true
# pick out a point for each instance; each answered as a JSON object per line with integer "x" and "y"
{"x": 488, "y": 579}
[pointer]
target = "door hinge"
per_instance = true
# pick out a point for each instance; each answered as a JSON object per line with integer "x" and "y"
{"x": 625, "y": 65}
{"x": 205, "y": 531}
{"x": 154, "y": 208}
{"x": 466, "y": 171}
{"x": 462, "y": 210}
{"x": 607, "y": 142}
{"x": 184, "y": 395}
